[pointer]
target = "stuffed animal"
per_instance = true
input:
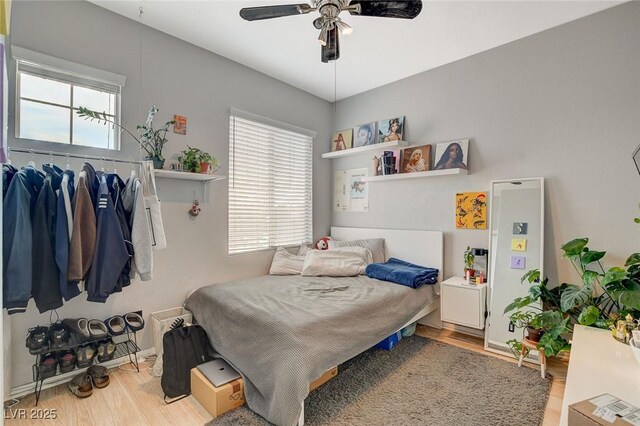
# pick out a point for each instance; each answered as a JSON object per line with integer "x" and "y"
{"x": 323, "y": 243}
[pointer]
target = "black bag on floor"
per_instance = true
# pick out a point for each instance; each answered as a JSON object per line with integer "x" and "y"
{"x": 184, "y": 349}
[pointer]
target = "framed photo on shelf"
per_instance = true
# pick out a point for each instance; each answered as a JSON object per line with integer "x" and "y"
{"x": 452, "y": 155}
{"x": 364, "y": 134}
{"x": 391, "y": 129}
{"x": 416, "y": 159}
{"x": 342, "y": 140}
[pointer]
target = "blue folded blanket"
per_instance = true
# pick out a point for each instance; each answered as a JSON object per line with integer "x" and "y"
{"x": 401, "y": 272}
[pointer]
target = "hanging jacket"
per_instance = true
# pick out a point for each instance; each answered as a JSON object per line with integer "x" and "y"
{"x": 8, "y": 171}
{"x": 110, "y": 253}
{"x": 133, "y": 203}
{"x": 116, "y": 186}
{"x": 93, "y": 182}
{"x": 83, "y": 236}
{"x": 64, "y": 228}
{"x": 17, "y": 241}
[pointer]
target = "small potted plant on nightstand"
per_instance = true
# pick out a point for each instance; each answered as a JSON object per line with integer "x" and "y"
{"x": 469, "y": 258}
{"x": 197, "y": 161}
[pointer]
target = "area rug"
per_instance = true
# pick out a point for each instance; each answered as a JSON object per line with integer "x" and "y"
{"x": 421, "y": 382}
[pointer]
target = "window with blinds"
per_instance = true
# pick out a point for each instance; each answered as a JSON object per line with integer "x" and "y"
{"x": 270, "y": 173}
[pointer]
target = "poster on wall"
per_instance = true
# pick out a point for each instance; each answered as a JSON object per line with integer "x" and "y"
{"x": 350, "y": 193}
{"x": 471, "y": 210}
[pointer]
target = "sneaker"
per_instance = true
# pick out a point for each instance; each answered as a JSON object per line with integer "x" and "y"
{"x": 38, "y": 340}
{"x": 67, "y": 360}
{"x": 58, "y": 336}
{"x": 48, "y": 365}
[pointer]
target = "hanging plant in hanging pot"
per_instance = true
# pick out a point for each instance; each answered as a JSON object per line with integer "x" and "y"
{"x": 151, "y": 140}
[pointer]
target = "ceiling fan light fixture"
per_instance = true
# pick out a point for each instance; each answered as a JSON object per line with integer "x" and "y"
{"x": 324, "y": 34}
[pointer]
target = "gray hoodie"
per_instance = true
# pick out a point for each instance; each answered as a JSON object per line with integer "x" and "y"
{"x": 133, "y": 203}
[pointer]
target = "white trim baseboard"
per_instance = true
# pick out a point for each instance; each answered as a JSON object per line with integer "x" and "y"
{"x": 28, "y": 388}
{"x": 462, "y": 329}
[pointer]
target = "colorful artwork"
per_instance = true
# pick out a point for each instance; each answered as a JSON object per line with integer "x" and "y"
{"x": 180, "y": 125}
{"x": 390, "y": 130}
{"x": 471, "y": 210}
{"x": 364, "y": 134}
{"x": 518, "y": 244}
{"x": 342, "y": 140}
{"x": 416, "y": 159}
{"x": 520, "y": 228}
{"x": 452, "y": 155}
{"x": 518, "y": 262}
{"x": 392, "y": 164}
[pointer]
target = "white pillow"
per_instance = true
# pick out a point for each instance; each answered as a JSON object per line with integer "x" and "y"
{"x": 344, "y": 262}
{"x": 375, "y": 245}
{"x": 305, "y": 248}
{"x": 285, "y": 263}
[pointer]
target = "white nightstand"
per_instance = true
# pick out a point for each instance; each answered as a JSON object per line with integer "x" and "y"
{"x": 462, "y": 303}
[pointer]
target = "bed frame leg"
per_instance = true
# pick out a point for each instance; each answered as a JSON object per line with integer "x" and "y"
{"x": 301, "y": 418}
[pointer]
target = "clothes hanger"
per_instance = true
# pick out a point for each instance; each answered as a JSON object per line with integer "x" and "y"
{"x": 133, "y": 172}
{"x": 102, "y": 164}
{"x": 115, "y": 166}
{"x": 8, "y": 157}
{"x": 68, "y": 167}
{"x": 50, "y": 158}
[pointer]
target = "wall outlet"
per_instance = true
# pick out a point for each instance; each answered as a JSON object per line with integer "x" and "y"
{"x": 512, "y": 327}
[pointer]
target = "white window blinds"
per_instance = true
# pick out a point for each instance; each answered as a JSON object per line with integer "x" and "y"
{"x": 270, "y": 173}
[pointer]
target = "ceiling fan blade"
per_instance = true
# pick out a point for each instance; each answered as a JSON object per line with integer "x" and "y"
{"x": 388, "y": 9}
{"x": 331, "y": 51}
{"x": 268, "y": 12}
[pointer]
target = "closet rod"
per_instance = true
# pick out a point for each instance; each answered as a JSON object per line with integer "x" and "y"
{"x": 67, "y": 155}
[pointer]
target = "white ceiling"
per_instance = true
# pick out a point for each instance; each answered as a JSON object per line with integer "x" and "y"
{"x": 380, "y": 50}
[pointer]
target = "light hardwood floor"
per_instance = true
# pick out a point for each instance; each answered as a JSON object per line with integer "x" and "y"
{"x": 136, "y": 398}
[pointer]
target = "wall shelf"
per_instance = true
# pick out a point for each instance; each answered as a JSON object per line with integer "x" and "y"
{"x": 378, "y": 147}
{"x": 430, "y": 173}
{"x": 200, "y": 177}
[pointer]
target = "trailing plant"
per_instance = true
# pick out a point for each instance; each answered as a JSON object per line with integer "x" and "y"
{"x": 192, "y": 158}
{"x": 151, "y": 140}
{"x": 603, "y": 297}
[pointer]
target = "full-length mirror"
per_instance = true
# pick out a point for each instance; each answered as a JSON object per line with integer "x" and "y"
{"x": 515, "y": 246}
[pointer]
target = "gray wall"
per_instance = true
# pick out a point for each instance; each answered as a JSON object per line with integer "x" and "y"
{"x": 182, "y": 79}
{"x": 563, "y": 104}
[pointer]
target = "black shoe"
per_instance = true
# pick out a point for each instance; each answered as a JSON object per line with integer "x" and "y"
{"x": 67, "y": 360}
{"x": 58, "y": 336}
{"x": 85, "y": 355}
{"x": 38, "y": 340}
{"x": 48, "y": 365}
{"x": 115, "y": 325}
{"x": 134, "y": 321}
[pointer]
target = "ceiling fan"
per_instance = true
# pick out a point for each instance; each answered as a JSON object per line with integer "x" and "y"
{"x": 329, "y": 23}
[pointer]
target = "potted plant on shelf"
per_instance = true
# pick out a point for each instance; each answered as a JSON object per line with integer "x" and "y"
{"x": 151, "y": 140}
{"x": 197, "y": 161}
{"x": 605, "y": 299}
{"x": 469, "y": 258}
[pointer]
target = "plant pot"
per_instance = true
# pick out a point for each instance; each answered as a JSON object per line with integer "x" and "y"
{"x": 204, "y": 168}
{"x": 157, "y": 162}
{"x": 534, "y": 334}
{"x": 472, "y": 272}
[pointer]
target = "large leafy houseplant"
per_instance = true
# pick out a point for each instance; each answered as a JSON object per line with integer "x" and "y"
{"x": 603, "y": 297}
{"x": 151, "y": 140}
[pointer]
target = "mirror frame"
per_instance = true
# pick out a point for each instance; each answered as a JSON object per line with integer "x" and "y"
{"x": 532, "y": 357}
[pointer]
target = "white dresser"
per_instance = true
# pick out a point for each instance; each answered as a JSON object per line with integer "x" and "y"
{"x": 462, "y": 303}
{"x": 598, "y": 365}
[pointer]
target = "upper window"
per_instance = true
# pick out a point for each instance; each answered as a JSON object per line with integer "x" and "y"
{"x": 50, "y": 90}
{"x": 270, "y": 171}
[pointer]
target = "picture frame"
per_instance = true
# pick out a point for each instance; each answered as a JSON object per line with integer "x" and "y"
{"x": 342, "y": 140}
{"x": 416, "y": 159}
{"x": 452, "y": 155}
{"x": 364, "y": 135}
{"x": 391, "y": 129}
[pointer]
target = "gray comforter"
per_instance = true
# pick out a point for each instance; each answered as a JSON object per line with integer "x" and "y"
{"x": 282, "y": 332}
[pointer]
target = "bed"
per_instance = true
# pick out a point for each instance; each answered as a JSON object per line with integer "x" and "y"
{"x": 283, "y": 332}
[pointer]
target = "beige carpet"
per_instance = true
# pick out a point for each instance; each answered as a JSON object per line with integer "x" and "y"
{"x": 421, "y": 382}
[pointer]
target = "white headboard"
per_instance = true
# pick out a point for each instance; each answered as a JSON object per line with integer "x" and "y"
{"x": 425, "y": 248}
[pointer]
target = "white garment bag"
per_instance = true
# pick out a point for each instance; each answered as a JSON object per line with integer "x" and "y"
{"x": 152, "y": 206}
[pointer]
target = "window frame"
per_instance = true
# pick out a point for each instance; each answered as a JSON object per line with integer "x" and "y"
{"x": 76, "y": 75}
{"x": 234, "y": 113}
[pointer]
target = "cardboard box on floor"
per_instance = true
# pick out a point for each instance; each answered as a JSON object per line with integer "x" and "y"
{"x": 585, "y": 413}
{"x": 218, "y": 401}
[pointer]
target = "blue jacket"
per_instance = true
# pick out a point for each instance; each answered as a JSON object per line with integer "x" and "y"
{"x": 17, "y": 241}
{"x": 110, "y": 254}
